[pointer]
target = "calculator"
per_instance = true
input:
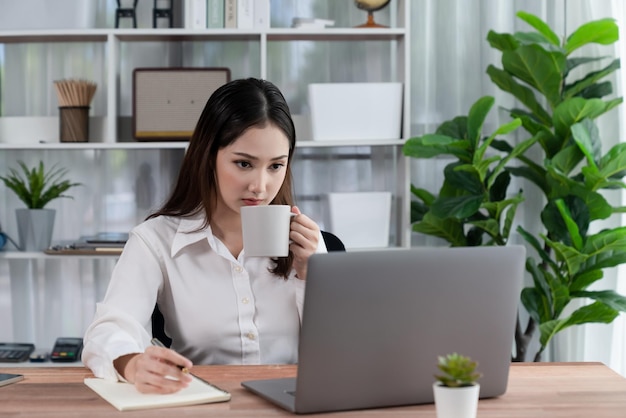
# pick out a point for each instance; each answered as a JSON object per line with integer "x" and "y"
{"x": 15, "y": 352}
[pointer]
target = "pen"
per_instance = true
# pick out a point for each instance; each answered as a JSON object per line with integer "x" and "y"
{"x": 158, "y": 343}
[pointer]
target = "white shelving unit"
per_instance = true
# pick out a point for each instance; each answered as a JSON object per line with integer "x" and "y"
{"x": 383, "y": 158}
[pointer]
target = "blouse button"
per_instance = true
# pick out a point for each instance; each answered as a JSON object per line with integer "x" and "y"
{"x": 238, "y": 269}
{"x": 245, "y": 301}
{"x": 251, "y": 336}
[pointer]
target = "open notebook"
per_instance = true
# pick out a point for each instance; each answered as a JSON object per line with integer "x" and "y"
{"x": 125, "y": 397}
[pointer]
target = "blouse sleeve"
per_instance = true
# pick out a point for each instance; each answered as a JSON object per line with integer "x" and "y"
{"x": 122, "y": 320}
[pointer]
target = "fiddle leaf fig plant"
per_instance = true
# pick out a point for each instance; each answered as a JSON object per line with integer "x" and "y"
{"x": 35, "y": 186}
{"x": 562, "y": 157}
{"x": 472, "y": 207}
{"x": 457, "y": 371}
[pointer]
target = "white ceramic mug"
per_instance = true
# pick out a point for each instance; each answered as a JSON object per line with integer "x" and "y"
{"x": 266, "y": 230}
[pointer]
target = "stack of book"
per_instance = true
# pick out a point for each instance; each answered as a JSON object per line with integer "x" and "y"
{"x": 229, "y": 14}
{"x": 310, "y": 23}
{"x": 101, "y": 243}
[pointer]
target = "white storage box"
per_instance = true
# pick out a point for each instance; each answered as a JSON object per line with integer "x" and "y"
{"x": 359, "y": 219}
{"x": 355, "y": 111}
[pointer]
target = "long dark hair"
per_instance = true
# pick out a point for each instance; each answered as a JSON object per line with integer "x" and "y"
{"x": 229, "y": 112}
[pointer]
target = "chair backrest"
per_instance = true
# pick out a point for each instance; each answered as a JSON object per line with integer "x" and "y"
{"x": 333, "y": 243}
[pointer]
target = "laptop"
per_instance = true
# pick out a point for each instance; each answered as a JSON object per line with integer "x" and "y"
{"x": 374, "y": 323}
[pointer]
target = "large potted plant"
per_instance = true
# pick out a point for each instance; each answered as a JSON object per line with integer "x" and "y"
{"x": 561, "y": 156}
{"x": 36, "y": 187}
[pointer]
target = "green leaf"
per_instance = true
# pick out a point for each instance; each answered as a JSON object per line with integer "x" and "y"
{"x": 608, "y": 297}
{"x": 535, "y": 304}
{"x": 591, "y": 78}
{"x": 574, "y": 110}
{"x": 502, "y": 41}
{"x": 573, "y": 259}
{"x": 432, "y": 145}
{"x": 530, "y": 38}
{"x": 490, "y": 226}
{"x": 498, "y": 191}
{"x": 574, "y": 62}
{"x": 519, "y": 149}
{"x": 603, "y": 31}
{"x": 572, "y": 227}
{"x": 567, "y": 159}
{"x": 418, "y": 210}
{"x": 613, "y": 163}
{"x": 483, "y": 166}
{"x": 541, "y": 27}
{"x": 530, "y": 122}
{"x": 450, "y": 230}
{"x": 558, "y": 213}
{"x": 457, "y": 207}
{"x": 539, "y": 68}
{"x": 605, "y": 249}
{"x": 597, "y": 90}
{"x": 597, "y": 312}
{"x": 423, "y": 194}
{"x": 510, "y": 214}
{"x": 455, "y": 128}
{"x": 545, "y": 257}
{"x": 501, "y": 130}
{"x": 587, "y": 138}
{"x": 584, "y": 279}
{"x": 562, "y": 186}
{"x": 463, "y": 178}
{"x": 525, "y": 95}
{"x": 476, "y": 117}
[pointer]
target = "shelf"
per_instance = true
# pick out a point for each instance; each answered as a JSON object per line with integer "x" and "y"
{"x": 177, "y": 34}
{"x": 36, "y": 255}
{"x": 184, "y": 144}
{"x": 51, "y": 36}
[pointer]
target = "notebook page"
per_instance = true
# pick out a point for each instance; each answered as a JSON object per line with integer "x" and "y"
{"x": 125, "y": 397}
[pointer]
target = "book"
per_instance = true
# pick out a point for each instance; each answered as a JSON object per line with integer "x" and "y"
{"x": 311, "y": 23}
{"x": 195, "y": 14}
{"x": 125, "y": 397}
{"x": 199, "y": 14}
{"x": 107, "y": 238}
{"x": 245, "y": 14}
{"x": 230, "y": 14}
{"x": 215, "y": 14}
{"x": 261, "y": 14}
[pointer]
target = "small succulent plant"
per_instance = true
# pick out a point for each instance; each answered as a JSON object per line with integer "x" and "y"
{"x": 458, "y": 370}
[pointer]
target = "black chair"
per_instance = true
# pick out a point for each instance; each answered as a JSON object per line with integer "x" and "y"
{"x": 333, "y": 243}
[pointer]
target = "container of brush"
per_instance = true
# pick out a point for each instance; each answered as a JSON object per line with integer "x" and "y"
{"x": 74, "y": 97}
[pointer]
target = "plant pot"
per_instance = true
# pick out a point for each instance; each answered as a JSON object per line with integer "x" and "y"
{"x": 34, "y": 228}
{"x": 459, "y": 402}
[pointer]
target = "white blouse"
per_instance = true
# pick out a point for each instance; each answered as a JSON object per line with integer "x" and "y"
{"x": 217, "y": 309}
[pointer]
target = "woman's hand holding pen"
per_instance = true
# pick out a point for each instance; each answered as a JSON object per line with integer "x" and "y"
{"x": 157, "y": 370}
{"x": 304, "y": 235}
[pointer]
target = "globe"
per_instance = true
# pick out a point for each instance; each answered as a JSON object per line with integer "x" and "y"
{"x": 371, "y": 6}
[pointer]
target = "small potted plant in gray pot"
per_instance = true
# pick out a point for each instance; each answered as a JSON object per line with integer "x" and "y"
{"x": 456, "y": 389}
{"x": 36, "y": 187}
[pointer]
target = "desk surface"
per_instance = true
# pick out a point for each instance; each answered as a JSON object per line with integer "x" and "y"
{"x": 535, "y": 390}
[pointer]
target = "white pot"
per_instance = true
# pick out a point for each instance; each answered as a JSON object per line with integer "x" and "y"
{"x": 461, "y": 402}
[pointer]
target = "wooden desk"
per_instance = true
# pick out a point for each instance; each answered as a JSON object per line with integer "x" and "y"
{"x": 535, "y": 390}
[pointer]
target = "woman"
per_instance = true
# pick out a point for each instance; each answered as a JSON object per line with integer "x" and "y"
{"x": 219, "y": 306}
